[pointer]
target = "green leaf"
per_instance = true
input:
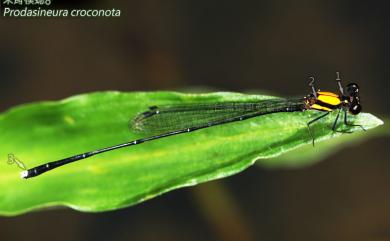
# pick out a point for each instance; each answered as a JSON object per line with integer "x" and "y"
{"x": 309, "y": 155}
{"x": 42, "y": 132}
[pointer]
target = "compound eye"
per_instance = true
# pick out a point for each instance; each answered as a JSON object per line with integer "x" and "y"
{"x": 355, "y": 109}
{"x": 352, "y": 89}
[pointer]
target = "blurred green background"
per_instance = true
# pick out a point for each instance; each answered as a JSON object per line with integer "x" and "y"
{"x": 222, "y": 45}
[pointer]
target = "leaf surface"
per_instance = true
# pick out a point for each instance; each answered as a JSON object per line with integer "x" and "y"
{"x": 41, "y": 132}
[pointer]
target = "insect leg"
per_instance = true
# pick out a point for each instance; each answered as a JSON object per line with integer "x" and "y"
{"x": 335, "y": 121}
{"x": 349, "y": 124}
{"x": 311, "y": 133}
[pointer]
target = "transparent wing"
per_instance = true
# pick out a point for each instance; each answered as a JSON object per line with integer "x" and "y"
{"x": 177, "y": 117}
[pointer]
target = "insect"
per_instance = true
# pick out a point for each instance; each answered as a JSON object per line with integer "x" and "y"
{"x": 172, "y": 120}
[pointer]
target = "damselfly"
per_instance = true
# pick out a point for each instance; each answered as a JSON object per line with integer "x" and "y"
{"x": 177, "y": 119}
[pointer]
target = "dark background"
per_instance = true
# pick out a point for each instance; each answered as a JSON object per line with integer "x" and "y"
{"x": 222, "y": 45}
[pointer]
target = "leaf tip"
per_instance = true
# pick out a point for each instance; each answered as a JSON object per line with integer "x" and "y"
{"x": 370, "y": 121}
